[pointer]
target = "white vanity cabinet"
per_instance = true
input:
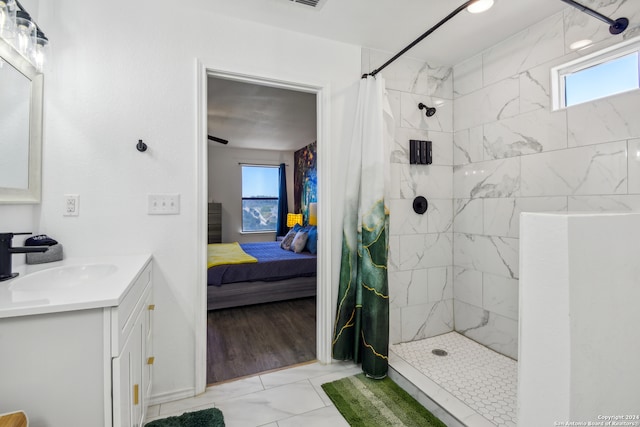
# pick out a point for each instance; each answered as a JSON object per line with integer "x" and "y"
{"x": 131, "y": 352}
{"x": 82, "y": 363}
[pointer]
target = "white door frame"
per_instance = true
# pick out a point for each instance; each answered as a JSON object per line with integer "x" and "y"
{"x": 324, "y": 321}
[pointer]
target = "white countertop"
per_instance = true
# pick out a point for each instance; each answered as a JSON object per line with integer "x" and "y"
{"x": 103, "y": 292}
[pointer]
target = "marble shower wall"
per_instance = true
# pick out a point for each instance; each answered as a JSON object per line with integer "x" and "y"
{"x": 512, "y": 154}
{"x": 421, "y": 246}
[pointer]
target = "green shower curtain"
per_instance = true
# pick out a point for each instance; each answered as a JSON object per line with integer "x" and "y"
{"x": 361, "y": 330}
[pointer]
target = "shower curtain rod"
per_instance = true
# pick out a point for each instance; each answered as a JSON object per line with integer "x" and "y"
{"x": 419, "y": 39}
{"x": 616, "y": 27}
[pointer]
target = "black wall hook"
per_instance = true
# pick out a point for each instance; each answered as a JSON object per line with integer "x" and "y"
{"x": 141, "y": 146}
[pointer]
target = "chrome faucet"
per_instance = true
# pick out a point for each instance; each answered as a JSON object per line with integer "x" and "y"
{"x": 6, "y": 250}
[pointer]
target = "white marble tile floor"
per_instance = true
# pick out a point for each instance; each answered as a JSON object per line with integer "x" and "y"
{"x": 285, "y": 398}
{"x": 471, "y": 386}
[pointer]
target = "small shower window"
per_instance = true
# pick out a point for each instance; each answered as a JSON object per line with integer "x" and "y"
{"x": 608, "y": 72}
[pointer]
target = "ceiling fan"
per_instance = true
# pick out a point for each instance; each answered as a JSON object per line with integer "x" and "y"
{"x": 216, "y": 139}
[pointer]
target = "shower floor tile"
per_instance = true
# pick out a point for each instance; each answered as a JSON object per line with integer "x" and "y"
{"x": 484, "y": 381}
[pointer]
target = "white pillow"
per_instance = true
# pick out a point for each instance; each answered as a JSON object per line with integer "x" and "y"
{"x": 299, "y": 242}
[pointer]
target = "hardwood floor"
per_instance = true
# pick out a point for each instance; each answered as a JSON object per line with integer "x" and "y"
{"x": 248, "y": 340}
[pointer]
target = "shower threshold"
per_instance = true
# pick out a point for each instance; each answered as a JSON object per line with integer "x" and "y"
{"x": 470, "y": 386}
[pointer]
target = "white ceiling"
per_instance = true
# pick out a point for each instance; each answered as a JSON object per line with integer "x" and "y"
{"x": 251, "y": 116}
{"x": 260, "y": 117}
{"x": 390, "y": 25}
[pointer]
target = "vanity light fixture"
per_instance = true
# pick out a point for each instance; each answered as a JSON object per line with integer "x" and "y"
{"x": 19, "y": 30}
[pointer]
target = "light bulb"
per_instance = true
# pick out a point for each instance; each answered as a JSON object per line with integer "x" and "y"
{"x": 480, "y": 6}
{"x": 25, "y": 33}
{"x": 39, "y": 53}
{"x": 7, "y": 19}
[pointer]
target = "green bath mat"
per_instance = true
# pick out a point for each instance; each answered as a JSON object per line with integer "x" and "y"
{"x": 205, "y": 418}
{"x": 364, "y": 402}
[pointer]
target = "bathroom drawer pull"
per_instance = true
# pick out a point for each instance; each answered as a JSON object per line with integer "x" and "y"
{"x": 150, "y": 360}
{"x": 136, "y": 398}
{"x": 152, "y": 306}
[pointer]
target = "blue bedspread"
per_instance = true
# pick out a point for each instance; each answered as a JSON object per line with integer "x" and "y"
{"x": 274, "y": 263}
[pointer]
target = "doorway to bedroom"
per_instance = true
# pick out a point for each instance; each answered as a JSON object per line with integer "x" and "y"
{"x": 262, "y": 204}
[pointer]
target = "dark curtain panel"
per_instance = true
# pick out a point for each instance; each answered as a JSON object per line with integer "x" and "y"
{"x": 283, "y": 204}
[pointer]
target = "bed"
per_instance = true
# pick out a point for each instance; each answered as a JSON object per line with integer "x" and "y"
{"x": 277, "y": 275}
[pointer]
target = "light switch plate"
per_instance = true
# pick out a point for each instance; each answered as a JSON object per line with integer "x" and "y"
{"x": 163, "y": 204}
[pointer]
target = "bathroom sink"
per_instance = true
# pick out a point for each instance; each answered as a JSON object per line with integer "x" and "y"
{"x": 65, "y": 277}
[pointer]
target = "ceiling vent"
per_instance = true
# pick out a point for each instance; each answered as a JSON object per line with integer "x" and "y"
{"x": 316, "y": 4}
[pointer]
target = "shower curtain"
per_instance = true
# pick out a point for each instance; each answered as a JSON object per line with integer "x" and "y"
{"x": 361, "y": 330}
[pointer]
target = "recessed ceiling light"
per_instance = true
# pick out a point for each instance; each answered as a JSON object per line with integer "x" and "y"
{"x": 480, "y": 6}
{"x": 580, "y": 44}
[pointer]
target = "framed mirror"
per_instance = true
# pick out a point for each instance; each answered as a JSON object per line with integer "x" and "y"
{"x": 21, "y": 87}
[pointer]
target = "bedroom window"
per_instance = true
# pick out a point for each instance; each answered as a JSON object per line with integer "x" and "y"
{"x": 260, "y": 187}
{"x": 608, "y": 72}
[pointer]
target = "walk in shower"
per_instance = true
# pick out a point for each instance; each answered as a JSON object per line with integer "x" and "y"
{"x": 498, "y": 149}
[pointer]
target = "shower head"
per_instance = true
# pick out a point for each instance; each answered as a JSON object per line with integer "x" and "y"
{"x": 615, "y": 26}
{"x": 619, "y": 26}
{"x": 430, "y": 110}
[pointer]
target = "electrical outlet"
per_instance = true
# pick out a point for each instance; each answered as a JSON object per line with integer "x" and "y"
{"x": 163, "y": 204}
{"x": 71, "y": 205}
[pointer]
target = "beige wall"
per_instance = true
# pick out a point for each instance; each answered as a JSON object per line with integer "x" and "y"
{"x": 225, "y": 186}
